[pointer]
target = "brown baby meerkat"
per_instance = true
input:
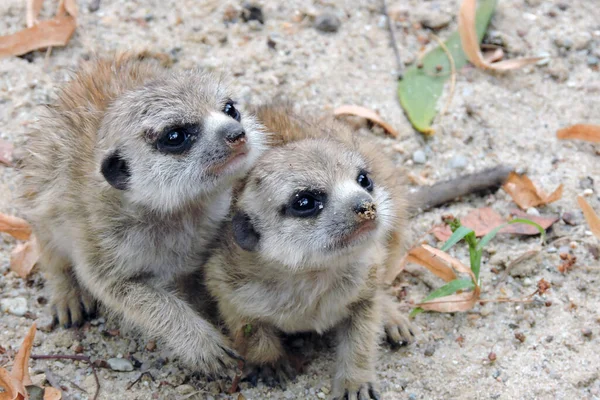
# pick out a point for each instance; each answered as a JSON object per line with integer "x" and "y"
{"x": 127, "y": 178}
{"x": 314, "y": 225}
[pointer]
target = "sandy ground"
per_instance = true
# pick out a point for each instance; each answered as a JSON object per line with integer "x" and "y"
{"x": 509, "y": 118}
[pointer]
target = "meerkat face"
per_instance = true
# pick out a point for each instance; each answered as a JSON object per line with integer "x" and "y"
{"x": 176, "y": 139}
{"x": 307, "y": 203}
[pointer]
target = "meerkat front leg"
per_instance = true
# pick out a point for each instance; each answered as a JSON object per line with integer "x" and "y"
{"x": 164, "y": 316}
{"x": 398, "y": 329}
{"x": 358, "y": 336}
{"x": 260, "y": 345}
{"x": 70, "y": 303}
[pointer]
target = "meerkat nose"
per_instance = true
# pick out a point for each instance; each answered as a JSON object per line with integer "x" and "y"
{"x": 234, "y": 135}
{"x": 365, "y": 209}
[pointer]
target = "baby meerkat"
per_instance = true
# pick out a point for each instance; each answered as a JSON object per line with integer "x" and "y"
{"x": 127, "y": 179}
{"x": 314, "y": 226}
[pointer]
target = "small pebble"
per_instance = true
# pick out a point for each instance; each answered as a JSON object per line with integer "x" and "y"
{"x": 592, "y": 61}
{"x": 419, "y": 157}
{"x": 520, "y": 336}
{"x": 549, "y": 338}
{"x": 253, "y": 12}
{"x": 15, "y": 306}
{"x": 458, "y": 162}
{"x": 327, "y": 22}
{"x": 586, "y": 332}
{"x": 429, "y": 351}
{"x": 496, "y": 374}
{"x": 533, "y": 211}
{"x": 551, "y": 249}
{"x": 120, "y": 364}
{"x": 527, "y": 282}
{"x": 412, "y": 396}
{"x": 35, "y": 392}
{"x": 185, "y": 389}
{"x": 321, "y": 395}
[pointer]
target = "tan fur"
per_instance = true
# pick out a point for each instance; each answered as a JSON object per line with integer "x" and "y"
{"x": 301, "y": 277}
{"x": 125, "y": 247}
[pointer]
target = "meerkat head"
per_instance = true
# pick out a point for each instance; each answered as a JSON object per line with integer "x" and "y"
{"x": 176, "y": 138}
{"x": 307, "y": 203}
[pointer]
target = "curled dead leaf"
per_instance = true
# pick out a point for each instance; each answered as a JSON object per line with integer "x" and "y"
{"x": 15, "y": 226}
{"x": 33, "y": 11}
{"x": 453, "y": 303}
{"x": 24, "y": 257}
{"x": 365, "y": 113}
{"x": 51, "y": 393}
{"x": 470, "y": 43}
{"x": 526, "y": 194}
{"x": 422, "y": 256}
{"x": 590, "y": 133}
{"x": 14, "y": 382}
{"x": 483, "y": 220}
{"x": 41, "y": 34}
{"x": 590, "y": 216}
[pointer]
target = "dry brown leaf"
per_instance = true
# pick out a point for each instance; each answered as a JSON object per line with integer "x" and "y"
{"x": 453, "y": 303}
{"x": 14, "y": 382}
{"x": 51, "y": 393}
{"x": 457, "y": 265}
{"x": 494, "y": 55}
{"x": 33, "y": 11}
{"x": 13, "y": 388}
{"x": 54, "y": 32}
{"x": 420, "y": 255}
{"x": 6, "y": 150}
{"x": 483, "y": 220}
{"x": 67, "y": 7}
{"x": 590, "y": 216}
{"x": 470, "y": 43}
{"x": 590, "y": 133}
{"x": 24, "y": 257}
{"x": 20, "y": 368}
{"x": 15, "y": 226}
{"x": 526, "y": 194}
{"x": 365, "y": 113}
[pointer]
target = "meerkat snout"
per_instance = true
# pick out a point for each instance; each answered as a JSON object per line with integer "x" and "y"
{"x": 366, "y": 210}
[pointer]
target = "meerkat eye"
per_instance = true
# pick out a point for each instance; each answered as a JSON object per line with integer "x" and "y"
{"x": 230, "y": 110}
{"x": 174, "y": 141}
{"x": 305, "y": 204}
{"x": 365, "y": 181}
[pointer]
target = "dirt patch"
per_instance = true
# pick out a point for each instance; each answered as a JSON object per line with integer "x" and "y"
{"x": 543, "y": 350}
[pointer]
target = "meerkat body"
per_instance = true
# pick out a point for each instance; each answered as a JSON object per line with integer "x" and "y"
{"x": 314, "y": 226}
{"x": 126, "y": 181}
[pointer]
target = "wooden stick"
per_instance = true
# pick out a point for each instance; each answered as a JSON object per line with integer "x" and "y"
{"x": 440, "y": 193}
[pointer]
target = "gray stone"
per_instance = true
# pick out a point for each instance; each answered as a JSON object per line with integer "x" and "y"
{"x": 15, "y": 306}
{"x": 458, "y": 162}
{"x": 120, "y": 364}
{"x": 419, "y": 157}
{"x": 185, "y": 389}
{"x": 327, "y": 22}
{"x": 593, "y": 60}
{"x": 435, "y": 19}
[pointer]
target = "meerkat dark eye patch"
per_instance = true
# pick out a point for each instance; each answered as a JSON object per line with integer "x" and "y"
{"x": 178, "y": 139}
{"x": 244, "y": 233}
{"x": 305, "y": 204}
{"x": 230, "y": 110}
{"x": 116, "y": 171}
{"x": 365, "y": 181}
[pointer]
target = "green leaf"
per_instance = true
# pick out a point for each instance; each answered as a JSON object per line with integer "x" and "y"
{"x": 458, "y": 234}
{"x": 416, "y": 311}
{"x": 475, "y": 260}
{"x": 450, "y": 288}
{"x": 420, "y": 88}
{"x": 486, "y": 239}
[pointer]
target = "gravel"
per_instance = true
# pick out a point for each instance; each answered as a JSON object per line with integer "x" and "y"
{"x": 327, "y": 22}
{"x": 120, "y": 364}
{"x": 512, "y": 119}
{"x": 16, "y": 306}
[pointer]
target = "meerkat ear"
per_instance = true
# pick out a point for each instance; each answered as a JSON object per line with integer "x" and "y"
{"x": 115, "y": 170}
{"x": 244, "y": 233}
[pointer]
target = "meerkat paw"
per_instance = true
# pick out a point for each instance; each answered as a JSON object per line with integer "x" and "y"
{"x": 364, "y": 391}
{"x": 71, "y": 307}
{"x": 272, "y": 375}
{"x": 213, "y": 357}
{"x": 399, "y": 331}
